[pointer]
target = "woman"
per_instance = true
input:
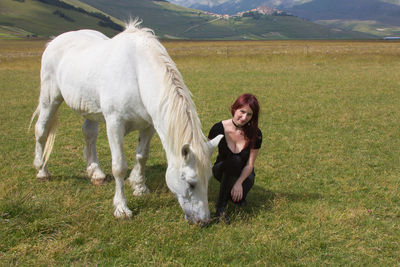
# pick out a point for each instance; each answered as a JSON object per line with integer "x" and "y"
{"x": 237, "y": 152}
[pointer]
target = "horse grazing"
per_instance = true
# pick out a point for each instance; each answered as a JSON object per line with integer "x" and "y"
{"x": 130, "y": 83}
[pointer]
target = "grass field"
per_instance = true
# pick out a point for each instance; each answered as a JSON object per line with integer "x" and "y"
{"x": 327, "y": 189}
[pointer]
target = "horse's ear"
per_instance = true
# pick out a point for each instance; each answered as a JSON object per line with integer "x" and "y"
{"x": 187, "y": 152}
{"x": 213, "y": 143}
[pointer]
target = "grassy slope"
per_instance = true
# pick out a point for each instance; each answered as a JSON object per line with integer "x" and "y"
{"x": 365, "y": 26}
{"x": 163, "y": 18}
{"x": 78, "y": 3}
{"x": 38, "y": 18}
{"x": 326, "y": 192}
{"x": 171, "y": 20}
{"x": 291, "y": 28}
{"x": 366, "y": 16}
{"x": 167, "y": 20}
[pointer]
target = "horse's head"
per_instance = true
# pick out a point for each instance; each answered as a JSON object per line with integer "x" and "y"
{"x": 190, "y": 184}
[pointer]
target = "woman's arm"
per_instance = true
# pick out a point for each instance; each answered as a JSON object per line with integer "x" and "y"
{"x": 237, "y": 189}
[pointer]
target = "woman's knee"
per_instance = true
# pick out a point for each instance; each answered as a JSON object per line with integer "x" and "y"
{"x": 217, "y": 171}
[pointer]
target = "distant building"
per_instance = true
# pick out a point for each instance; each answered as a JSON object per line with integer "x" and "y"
{"x": 264, "y": 10}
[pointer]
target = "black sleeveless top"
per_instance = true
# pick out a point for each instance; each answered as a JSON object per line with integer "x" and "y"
{"x": 224, "y": 151}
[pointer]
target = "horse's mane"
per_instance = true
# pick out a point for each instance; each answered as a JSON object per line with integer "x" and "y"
{"x": 184, "y": 126}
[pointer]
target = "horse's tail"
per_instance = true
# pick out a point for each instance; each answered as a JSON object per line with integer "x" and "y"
{"x": 51, "y": 136}
{"x": 35, "y": 113}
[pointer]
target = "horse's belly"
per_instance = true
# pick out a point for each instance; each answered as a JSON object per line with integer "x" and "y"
{"x": 94, "y": 116}
{"x": 137, "y": 124}
{"x": 88, "y": 107}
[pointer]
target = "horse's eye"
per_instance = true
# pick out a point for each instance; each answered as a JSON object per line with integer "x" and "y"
{"x": 192, "y": 183}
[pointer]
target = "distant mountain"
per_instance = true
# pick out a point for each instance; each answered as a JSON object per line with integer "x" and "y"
{"x": 232, "y": 7}
{"x": 378, "y": 17}
{"x": 166, "y": 19}
{"x": 345, "y": 9}
{"x": 172, "y": 21}
{"x": 371, "y": 16}
{"x": 44, "y": 18}
{"x": 235, "y": 6}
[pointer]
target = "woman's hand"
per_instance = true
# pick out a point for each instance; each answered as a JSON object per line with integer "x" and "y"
{"x": 237, "y": 192}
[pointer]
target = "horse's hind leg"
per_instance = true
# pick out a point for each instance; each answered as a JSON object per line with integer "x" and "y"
{"x": 90, "y": 132}
{"x": 115, "y": 133}
{"x": 137, "y": 178}
{"x": 45, "y": 124}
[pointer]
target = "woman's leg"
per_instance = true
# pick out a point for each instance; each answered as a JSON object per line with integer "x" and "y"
{"x": 217, "y": 170}
{"x": 227, "y": 172}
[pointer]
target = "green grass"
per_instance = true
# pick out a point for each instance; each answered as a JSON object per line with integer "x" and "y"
{"x": 326, "y": 191}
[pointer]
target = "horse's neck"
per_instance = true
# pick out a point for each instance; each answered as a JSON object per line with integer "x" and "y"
{"x": 161, "y": 130}
{"x": 168, "y": 142}
{"x": 159, "y": 81}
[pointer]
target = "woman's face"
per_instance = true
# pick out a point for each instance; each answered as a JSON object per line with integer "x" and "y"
{"x": 242, "y": 115}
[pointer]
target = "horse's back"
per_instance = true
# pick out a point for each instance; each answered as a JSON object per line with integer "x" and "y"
{"x": 77, "y": 37}
{"x": 61, "y": 62}
{"x": 73, "y": 40}
{"x": 96, "y": 75}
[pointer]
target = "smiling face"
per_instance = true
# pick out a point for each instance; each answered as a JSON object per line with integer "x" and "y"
{"x": 242, "y": 115}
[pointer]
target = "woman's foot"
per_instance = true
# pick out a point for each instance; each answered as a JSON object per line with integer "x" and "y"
{"x": 241, "y": 203}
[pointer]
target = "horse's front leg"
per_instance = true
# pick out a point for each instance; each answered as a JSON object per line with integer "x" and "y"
{"x": 137, "y": 177}
{"x": 90, "y": 132}
{"x": 115, "y": 133}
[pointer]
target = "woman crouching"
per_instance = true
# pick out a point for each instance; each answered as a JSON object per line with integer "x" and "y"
{"x": 237, "y": 152}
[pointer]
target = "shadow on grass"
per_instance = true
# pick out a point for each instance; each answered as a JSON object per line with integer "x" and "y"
{"x": 155, "y": 175}
{"x": 75, "y": 179}
{"x": 155, "y": 178}
{"x": 259, "y": 200}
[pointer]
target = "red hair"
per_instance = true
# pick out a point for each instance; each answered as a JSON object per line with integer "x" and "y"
{"x": 251, "y": 128}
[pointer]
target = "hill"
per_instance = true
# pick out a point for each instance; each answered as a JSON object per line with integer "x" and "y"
{"x": 235, "y": 6}
{"x": 45, "y": 18}
{"x": 345, "y": 9}
{"x": 28, "y": 18}
{"x": 172, "y": 21}
{"x": 167, "y": 20}
{"x": 371, "y": 16}
{"x": 377, "y": 17}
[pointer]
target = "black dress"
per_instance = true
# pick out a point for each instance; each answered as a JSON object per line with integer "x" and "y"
{"x": 229, "y": 166}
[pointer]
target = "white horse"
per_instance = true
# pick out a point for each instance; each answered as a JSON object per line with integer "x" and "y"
{"x": 130, "y": 83}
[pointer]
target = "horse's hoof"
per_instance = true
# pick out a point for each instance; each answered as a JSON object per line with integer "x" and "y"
{"x": 122, "y": 213}
{"x": 141, "y": 191}
{"x": 43, "y": 179}
{"x": 43, "y": 176}
{"x": 98, "y": 181}
{"x": 95, "y": 174}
